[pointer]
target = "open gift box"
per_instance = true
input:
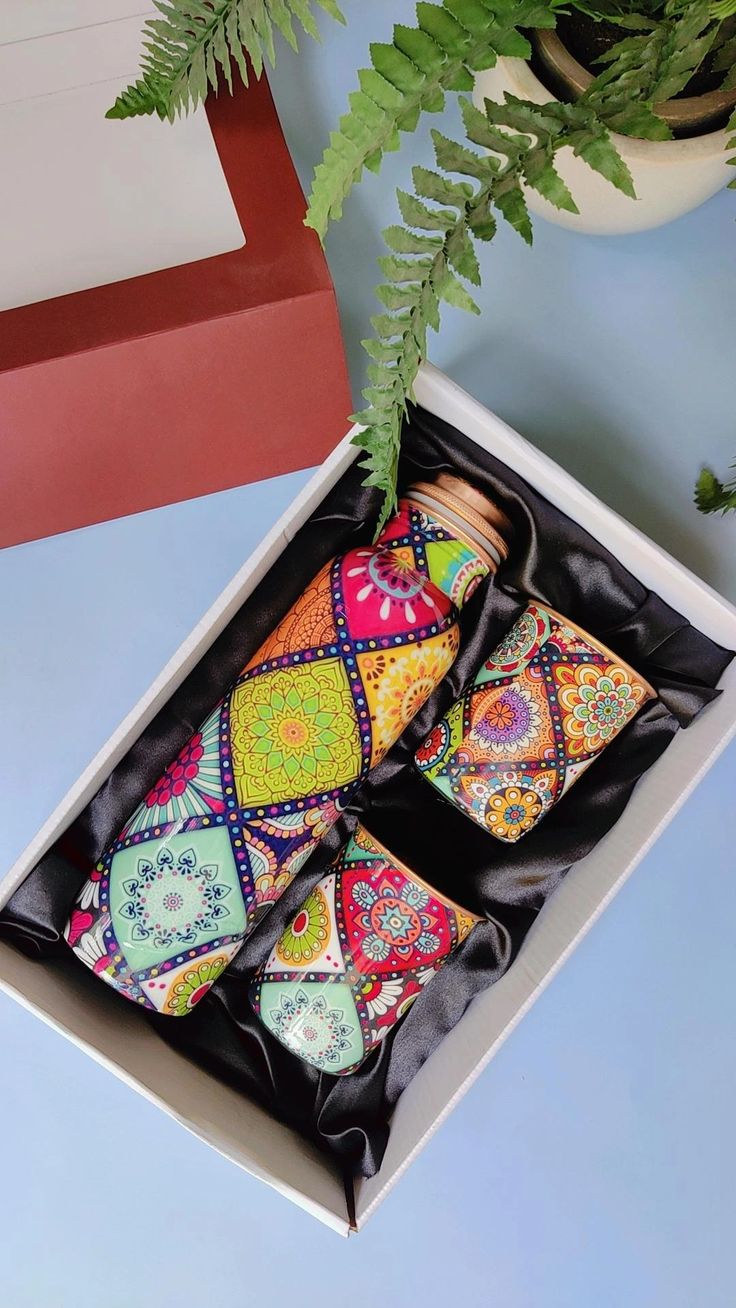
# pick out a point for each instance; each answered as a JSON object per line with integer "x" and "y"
{"x": 154, "y": 279}
{"x": 115, "y": 1034}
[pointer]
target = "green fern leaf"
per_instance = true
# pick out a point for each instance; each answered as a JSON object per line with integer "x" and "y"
{"x": 541, "y": 174}
{"x": 447, "y": 287}
{"x": 433, "y": 253}
{"x": 403, "y": 241}
{"x": 381, "y": 351}
{"x": 417, "y": 214}
{"x": 403, "y": 270}
{"x": 433, "y": 186}
{"x": 146, "y": 96}
{"x": 410, "y": 75}
{"x": 190, "y": 47}
{"x": 509, "y": 200}
{"x": 461, "y": 255}
{"x": 481, "y": 222}
{"x": 712, "y": 496}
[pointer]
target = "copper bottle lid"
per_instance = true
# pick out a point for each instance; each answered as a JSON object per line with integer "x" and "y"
{"x": 467, "y": 512}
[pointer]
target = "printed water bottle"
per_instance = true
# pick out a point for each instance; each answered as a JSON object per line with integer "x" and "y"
{"x": 224, "y": 830}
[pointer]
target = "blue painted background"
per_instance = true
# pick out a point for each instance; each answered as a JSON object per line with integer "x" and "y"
{"x": 592, "y": 1164}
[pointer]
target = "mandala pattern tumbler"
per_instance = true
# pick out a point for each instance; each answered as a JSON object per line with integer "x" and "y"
{"x": 541, "y": 709}
{"x": 223, "y": 831}
{"x": 360, "y": 950}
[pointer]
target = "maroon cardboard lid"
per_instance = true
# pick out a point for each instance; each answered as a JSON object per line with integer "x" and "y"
{"x": 279, "y": 261}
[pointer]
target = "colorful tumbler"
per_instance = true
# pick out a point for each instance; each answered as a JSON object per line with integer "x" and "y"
{"x": 541, "y": 709}
{"x": 360, "y": 950}
{"x": 221, "y": 834}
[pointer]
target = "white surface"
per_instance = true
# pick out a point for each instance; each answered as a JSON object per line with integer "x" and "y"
{"x": 670, "y": 177}
{"x": 232, "y": 1125}
{"x": 87, "y": 201}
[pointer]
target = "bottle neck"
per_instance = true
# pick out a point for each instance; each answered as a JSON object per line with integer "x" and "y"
{"x": 443, "y": 550}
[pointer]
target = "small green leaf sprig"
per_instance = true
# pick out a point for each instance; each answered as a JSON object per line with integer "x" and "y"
{"x": 191, "y": 47}
{"x": 714, "y": 496}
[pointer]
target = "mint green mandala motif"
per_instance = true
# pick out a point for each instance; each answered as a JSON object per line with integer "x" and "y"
{"x": 316, "y": 1021}
{"x": 173, "y": 895}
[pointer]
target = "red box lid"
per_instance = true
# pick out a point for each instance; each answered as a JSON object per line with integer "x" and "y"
{"x": 183, "y": 381}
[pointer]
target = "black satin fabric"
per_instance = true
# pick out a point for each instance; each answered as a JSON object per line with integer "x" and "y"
{"x": 553, "y": 560}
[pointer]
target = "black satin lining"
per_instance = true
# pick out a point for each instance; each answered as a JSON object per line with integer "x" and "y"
{"x": 552, "y": 559}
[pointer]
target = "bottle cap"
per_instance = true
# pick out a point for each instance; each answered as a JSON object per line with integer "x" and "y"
{"x": 468, "y": 512}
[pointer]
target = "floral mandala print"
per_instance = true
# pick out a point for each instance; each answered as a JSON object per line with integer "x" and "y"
{"x": 307, "y": 1021}
{"x": 599, "y": 704}
{"x": 434, "y": 747}
{"x": 460, "y": 571}
{"x": 541, "y": 708}
{"x": 90, "y": 894}
{"x": 190, "y": 787}
{"x": 309, "y": 624}
{"x": 512, "y": 811}
{"x": 86, "y": 938}
{"x": 392, "y": 933}
{"x": 391, "y": 589}
{"x": 187, "y": 990}
{"x": 294, "y": 733}
{"x": 307, "y": 934}
{"x": 392, "y": 922}
{"x": 412, "y": 675}
{"x": 508, "y": 722}
{"x": 517, "y": 641}
{"x": 380, "y": 997}
{"x": 173, "y": 900}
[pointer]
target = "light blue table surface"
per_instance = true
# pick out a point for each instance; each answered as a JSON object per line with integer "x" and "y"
{"x": 592, "y": 1165}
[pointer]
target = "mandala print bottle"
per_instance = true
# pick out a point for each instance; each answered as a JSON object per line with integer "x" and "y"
{"x": 221, "y": 834}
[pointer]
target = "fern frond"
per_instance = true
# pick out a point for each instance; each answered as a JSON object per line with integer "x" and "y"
{"x": 433, "y": 257}
{"x": 712, "y": 495}
{"x": 650, "y": 67}
{"x": 411, "y": 75}
{"x": 193, "y": 45}
{"x": 724, "y": 60}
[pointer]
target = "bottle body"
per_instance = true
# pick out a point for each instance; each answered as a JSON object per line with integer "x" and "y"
{"x": 226, "y": 828}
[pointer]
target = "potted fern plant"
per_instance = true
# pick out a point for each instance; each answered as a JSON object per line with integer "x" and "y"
{"x": 662, "y": 75}
{"x": 514, "y": 156}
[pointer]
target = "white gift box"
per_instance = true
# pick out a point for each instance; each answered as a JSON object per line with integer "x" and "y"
{"x": 225, "y": 1119}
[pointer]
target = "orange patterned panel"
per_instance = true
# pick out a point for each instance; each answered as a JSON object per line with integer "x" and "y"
{"x": 308, "y": 625}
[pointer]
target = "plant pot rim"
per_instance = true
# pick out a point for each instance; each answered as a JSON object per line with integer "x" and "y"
{"x": 683, "y": 151}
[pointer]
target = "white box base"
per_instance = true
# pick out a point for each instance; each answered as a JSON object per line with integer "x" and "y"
{"x": 225, "y": 1119}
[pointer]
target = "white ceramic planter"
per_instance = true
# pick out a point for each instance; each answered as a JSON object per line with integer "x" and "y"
{"x": 670, "y": 177}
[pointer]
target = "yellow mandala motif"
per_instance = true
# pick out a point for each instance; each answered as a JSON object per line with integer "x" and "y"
{"x": 294, "y": 733}
{"x": 410, "y": 676}
{"x": 190, "y": 984}
{"x": 307, "y": 934}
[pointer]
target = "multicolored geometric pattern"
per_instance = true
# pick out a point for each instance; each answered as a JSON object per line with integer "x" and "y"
{"x": 357, "y": 954}
{"x": 541, "y": 708}
{"x": 227, "y": 826}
